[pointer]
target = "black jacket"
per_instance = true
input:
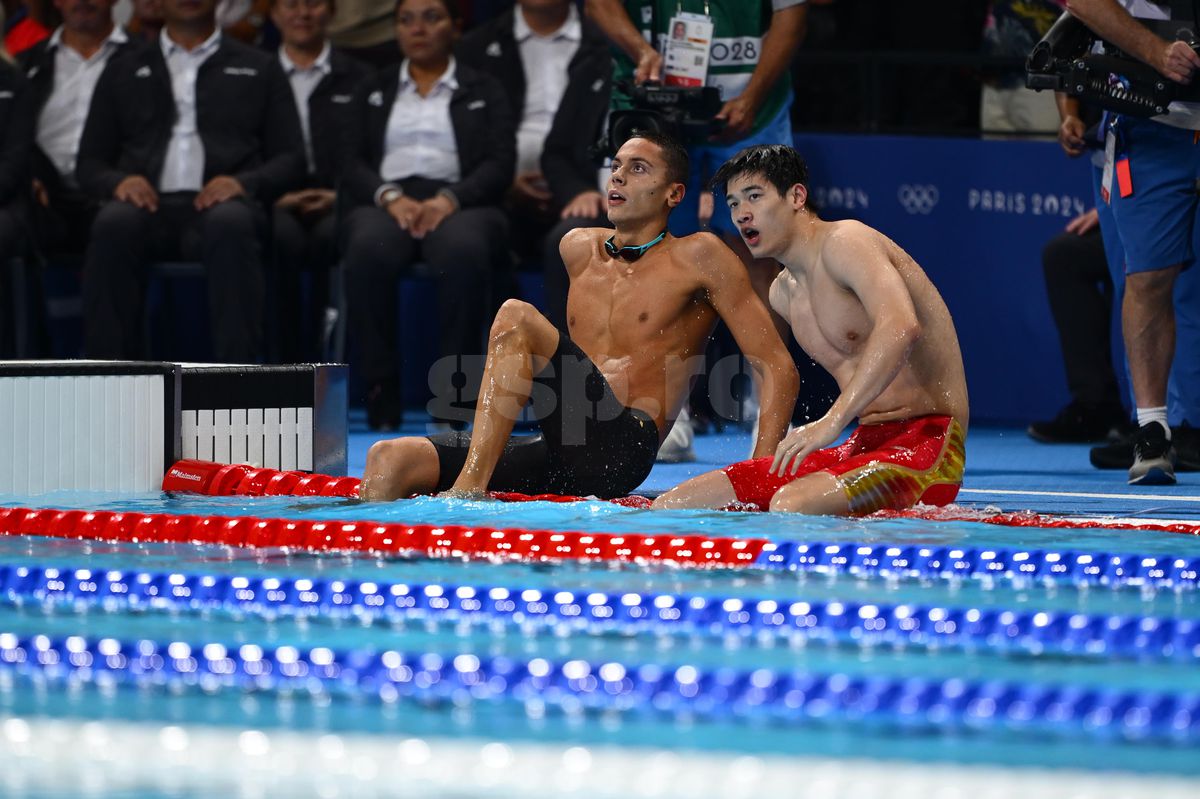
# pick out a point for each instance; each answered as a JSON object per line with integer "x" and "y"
{"x": 484, "y": 132}
{"x": 16, "y": 133}
{"x": 38, "y": 65}
{"x": 567, "y": 161}
{"x": 245, "y": 115}
{"x": 330, "y": 114}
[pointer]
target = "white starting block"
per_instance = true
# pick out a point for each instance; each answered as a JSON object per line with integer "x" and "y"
{"x": 117, "y": 426}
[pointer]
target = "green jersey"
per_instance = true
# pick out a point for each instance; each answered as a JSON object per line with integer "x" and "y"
{"x": 738, "y": 28}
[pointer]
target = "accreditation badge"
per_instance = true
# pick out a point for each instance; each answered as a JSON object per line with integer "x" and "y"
{"x": 689, "y": 39}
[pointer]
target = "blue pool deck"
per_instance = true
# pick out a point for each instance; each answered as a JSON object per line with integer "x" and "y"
{"x": 1005, "y": 470}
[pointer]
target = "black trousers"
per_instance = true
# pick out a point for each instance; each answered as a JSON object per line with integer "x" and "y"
{"x": 11, "y": 245}
{"x": 62, "y": 227}
{"x": 461, "y": 253}
{"x": 1080, "y": 291}
{"x": 301, "y": 245}
{"x": 226, "y": 239}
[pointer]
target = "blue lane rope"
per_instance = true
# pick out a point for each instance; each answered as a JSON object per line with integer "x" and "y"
{"x": 575, "y": 686}
{"x": 989, "y": 628}
{"x": 949, "y": 562}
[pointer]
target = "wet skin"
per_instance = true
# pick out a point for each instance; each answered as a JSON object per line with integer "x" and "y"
{"x": 640, "y": 321}
{"x": 862, "y": 308}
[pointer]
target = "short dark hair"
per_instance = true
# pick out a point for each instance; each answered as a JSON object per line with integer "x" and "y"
{"x": 452, "y": 8}
{"x": 781, "y": 165}
{"x": 678, "y": 164}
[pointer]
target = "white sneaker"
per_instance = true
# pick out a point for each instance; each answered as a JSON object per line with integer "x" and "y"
{"x": 677, "y": 447}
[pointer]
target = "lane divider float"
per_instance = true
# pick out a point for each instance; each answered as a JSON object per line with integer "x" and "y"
{"x": 990, "y": 629}
{"x": 578, "y": 686}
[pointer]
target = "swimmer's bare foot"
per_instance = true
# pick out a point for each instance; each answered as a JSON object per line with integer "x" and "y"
{"x": 470, "y": 494}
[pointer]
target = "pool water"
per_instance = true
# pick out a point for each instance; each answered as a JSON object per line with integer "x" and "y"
{"x": 494, "y": 705}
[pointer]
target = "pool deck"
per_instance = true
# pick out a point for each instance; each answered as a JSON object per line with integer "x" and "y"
{"x": 1005, "y": 470}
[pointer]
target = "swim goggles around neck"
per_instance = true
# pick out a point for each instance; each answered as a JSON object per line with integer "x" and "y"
{"x": 631, "y": 252}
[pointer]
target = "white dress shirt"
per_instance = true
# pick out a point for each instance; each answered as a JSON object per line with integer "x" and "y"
{"x": 183, "y": 169}
{"x": 60, "y": 123}
{"x": 303, "y": 81}
{"x": 420, "y": 134}
{"x": 545, "y": 59}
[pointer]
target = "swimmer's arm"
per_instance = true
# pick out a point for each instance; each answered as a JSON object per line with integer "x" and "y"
{"x": 780, "y": 298}
{"x": 859, "y": 263}
{"x": 729, "y": 290}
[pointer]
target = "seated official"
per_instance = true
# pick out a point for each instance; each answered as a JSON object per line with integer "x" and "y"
{"x": 431, "y": 167}
{"x": 555, "y": 68}
{"x": 63, "y": 71}
{"x": 325, "y": 83}
{"x": 189, "y": 142}
{"x": 16, "y": 138}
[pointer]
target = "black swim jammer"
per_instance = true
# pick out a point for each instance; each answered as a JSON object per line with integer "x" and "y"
{"x": 590, "y": 444}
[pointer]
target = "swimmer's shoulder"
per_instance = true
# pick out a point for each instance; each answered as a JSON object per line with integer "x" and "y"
{"x": 779, "y": 295}
{"x": 846, "y": 232}
{"x": 581, "y": 242}
{"x": 705, "y": 252}
{"x": 845, "y": 243}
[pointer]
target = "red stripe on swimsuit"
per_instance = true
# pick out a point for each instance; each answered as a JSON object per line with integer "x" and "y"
{"x": 891, "y": 465}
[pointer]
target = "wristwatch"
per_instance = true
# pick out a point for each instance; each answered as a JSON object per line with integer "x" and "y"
{"x": 389, "y": 196}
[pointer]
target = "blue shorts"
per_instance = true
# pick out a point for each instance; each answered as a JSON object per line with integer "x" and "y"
{"x": 707, "y": 158}
{"x": 1183, "y": 387}
{"x": 1157, "y": 223}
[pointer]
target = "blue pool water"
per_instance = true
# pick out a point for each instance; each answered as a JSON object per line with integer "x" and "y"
{"x": 930, "y": 732}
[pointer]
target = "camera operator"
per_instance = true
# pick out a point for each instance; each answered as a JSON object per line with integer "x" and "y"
{"x": 745, "y": 52}
{"x": 1150, "y": 179}
{"x": 744, "y": 48}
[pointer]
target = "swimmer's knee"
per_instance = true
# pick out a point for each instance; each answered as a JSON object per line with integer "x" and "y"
{"x": 516, "y": 319}
{"x": 817, "y": 494}
{"x": 709, "y": 490}
{"x": 513, "y": 314}
{"x": 400, "y": 467}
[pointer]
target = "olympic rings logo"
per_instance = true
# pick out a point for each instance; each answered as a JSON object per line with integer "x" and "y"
{"x": 918, "y": 198}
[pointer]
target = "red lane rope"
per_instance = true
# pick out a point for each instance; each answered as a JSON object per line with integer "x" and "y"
{"x": 217, "y": 479}
{"x": 1029, "y": 519}
{"x": 239, "y": 479}
{"x": 435, "y": 541}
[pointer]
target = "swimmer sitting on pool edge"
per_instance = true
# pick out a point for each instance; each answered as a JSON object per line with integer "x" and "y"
{"x": 641, "y": 307}
{"x": 862, "y": 308}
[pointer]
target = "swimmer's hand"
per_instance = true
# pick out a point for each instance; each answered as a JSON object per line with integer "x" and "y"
{"x": 801, "y": 442}
{"x": 469, "y": 494}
